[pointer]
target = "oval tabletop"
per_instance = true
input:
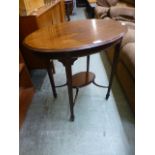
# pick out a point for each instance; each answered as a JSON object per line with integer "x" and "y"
{"x": 75, "y": 35}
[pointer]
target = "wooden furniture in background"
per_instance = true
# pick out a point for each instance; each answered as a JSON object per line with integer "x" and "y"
{"x": 26, "y": 90}
{"x": 53, "y": 13}
{"x": 75, "y": 39}
{"x": 49, "y": 14}
{"x": 27, "y": 6}
{"x": 92, "y": 1}
{"x": 46, "y": 15}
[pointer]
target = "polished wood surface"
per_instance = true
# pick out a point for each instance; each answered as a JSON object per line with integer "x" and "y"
{"x": 75, "y": 36}
{"x": 46, "y": 15}
{"x": 28, "y": 6}
{"x": 44, "y": 8}
{"x": 92, "y": 1}
{"x": 82, "y": 79}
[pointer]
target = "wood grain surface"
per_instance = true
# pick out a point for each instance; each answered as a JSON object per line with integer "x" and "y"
{"x": 75, "y": 36}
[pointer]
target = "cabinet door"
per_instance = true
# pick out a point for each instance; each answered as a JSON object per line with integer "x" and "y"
{"x": 56, "y": 14}
{"x": 45, "y": 19}
{"x": 30, "y": 5}
{"x": 53, "y": 15}
{"x": 26, "y": 90}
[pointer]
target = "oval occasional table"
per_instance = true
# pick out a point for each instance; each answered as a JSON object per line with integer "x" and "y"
{"x": 68, "y": 41}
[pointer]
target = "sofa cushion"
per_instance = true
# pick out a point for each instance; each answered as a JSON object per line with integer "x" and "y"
{"x": 123, "y": 13}
{"x": 129, "y": 1}
{"x": 103, "y": 3}
{"x": 112, "y": 2}
{"x": 129, "y": 37}
{"x": 130, "y": 25}
{"x": 128, "y": 57}
{"x": 106, "y": 3}
{"x": 101, "y": 12}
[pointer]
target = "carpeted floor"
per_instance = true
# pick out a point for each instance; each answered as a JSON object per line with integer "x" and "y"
{"x": 100, "y": 128}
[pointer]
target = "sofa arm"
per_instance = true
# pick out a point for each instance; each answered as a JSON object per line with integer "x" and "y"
{"x": 101, "y": 12}
{"x": 123, "y": 13}
{"x": 106, "y": 3}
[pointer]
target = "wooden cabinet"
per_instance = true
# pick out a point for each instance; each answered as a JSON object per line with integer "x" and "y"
{"x": 53, "y": 13}
{"x": 39, "y": 17}
{"x": 26, "y": 90}
{"x": 27, "y": 6}
{"x": 34, "y": 15}
{"x": 48, "y": 14}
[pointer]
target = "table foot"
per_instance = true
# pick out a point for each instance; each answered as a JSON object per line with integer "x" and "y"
{"x": 71, "y": 118}
{"x": 50, "y": 74}
{"x": 68, "y": 67}
{"x": 107, "y": 96}
{"x": 55, "y": 95}
{"x": 114, "y": 67}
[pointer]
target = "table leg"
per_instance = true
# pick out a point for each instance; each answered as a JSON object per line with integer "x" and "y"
{"x": 88, "y": 62}
{"x": 52, "y": 66}
{"x": 70, "y": 90}
{"x": 68, "y": 62}
{"x": 114, "y": 66}
{"x": 50, "y": 74}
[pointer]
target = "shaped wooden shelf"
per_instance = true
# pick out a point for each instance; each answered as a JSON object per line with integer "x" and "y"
{"x": 82, "y": 79}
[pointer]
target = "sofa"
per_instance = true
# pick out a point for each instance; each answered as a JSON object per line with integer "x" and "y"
{"x": 125, "y": 14}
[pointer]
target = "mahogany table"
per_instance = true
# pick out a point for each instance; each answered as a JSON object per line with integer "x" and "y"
{"x": 68, "y": 41}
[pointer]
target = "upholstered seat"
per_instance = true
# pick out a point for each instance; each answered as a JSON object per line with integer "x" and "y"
{"x": 122, "y": 13}
{"x": 126, "y": 66}
{"x": 101, "y": 12}
{"x": 107, "y": 3}
{"x": 114, "y": 9}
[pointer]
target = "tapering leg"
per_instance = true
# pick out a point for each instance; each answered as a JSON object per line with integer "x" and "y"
{"x": 50, "y": 74}
{"x": 88, "y": 62}
{"x": 70, "y": 90}
{"x": 114, "y": 66}
{"x": 77, "y": 91}
{"x": 52, "y": 66}
{"x": 68, "y": 62}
